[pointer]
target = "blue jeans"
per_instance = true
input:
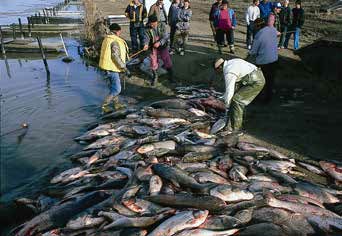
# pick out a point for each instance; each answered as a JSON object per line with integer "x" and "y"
{"x": 135, "y": 32}
{"x": 114, "y": 82}
{"x": 250, "y": 33}
{"x": 296, "y": 33}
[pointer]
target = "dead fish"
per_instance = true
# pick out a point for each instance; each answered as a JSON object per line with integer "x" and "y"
{"x": 214, "y": 103}
{"x": 110, "y": 150}
{"x": 156, "y": 184}
{"x": 218, "y": 125}
{"x": 118, "y": 114}
{"x": 82, "y": 154}
{"x": 119, "y": 221}
{"x": 262, "y": 178}
{"x": 312, "y": 168}
{"x": 126, "y": 171}
{"x": 205, "y": 177}
{"x": 197, "y": 157}
{"x": 205, "y": 232}
{"x": 326, "y": 223}
{"x": 238, "y": 172}
{"x": 225, "y": 163}
{"x": 332, "y": 169}
{"x": 181, "y": 221}
{"x": 123, "y": 155}
{"x": 229, "y": 193}
{"x": 131, "y": 192}
{"x": 94, "y": 134}
{"x": 220, "y": 222}
{"x": 304, "y": 209}
{"x": 69, "y": 175}
{"x": 244, "y": 216}
{"x": 162, "y": 122}
{"x": 184, "y": 149}
{"x": 261, "y": 229}
{"x": 104, "y": 142}
{"x": 169, "y": 113}
{"x": 315, "y": 192}
{"x": 198, "y": 112}
{"x": 281, "y": 166}
{"x": 252, "y": 147}
{"x": 177, "y": 176}
{"x": 300, "y": 199}
{"x": 84, "y": 222}
{"x": 170, "y": 145}
{"x": 59, "y": 215}
{"x": 144, "y": 173}
{"x": 211, "y": 203}
{"x": 259, "y": 186}
{"x": 292, "y": 223}
{"x": 171, "y": 103}
{"x": 132, "y": 232}
{"x": 185, "y": 166}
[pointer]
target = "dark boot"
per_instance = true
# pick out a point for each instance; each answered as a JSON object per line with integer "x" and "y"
{"x": 170, "y": 71}
{"x": 154, "y": 78}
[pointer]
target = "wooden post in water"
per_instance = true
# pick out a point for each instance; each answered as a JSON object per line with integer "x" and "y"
{"x": 13, "y": 32}
{"x": 21, "y": 29}
{"x": 43, "y": 55}
{"x": 29, "y": 27}
{"x": 3, "y": 51}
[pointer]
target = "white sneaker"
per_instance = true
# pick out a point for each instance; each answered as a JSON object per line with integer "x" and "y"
{"x": 249, "y": 47}
{"x": 181, "y": 53}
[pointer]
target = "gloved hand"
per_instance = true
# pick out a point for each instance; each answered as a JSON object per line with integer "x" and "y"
{"x": 128, "y": 73}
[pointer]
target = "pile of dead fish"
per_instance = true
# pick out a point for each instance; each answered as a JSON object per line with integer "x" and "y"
{"x": 170, "y": 169}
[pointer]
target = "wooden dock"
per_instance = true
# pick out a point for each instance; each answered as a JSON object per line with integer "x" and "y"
{"x": 41, "y": 29}
{"x": 31, "y": 46}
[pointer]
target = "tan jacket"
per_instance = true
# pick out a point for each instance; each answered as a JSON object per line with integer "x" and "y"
{"x": 155, "y": 10}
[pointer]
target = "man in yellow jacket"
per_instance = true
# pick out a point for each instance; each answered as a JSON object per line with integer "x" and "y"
{"x": 113, "y": 58}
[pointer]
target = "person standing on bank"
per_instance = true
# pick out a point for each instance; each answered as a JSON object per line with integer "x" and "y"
{"x": 213, "y": 9}
{"x": 173, "y": 20}
{"x": 249, "y": 81}
{"x": 266, "y": 8}
{"x": 183, "y": 27}
{"x": 252, "y": 14}
{"x": 285, "y": 22}
{"x": 297, "y": 23}
{"x": 158, "y": 10}
{"x": 156, "y": 38}
{"x": 113, "y": 57}
{"x": 136, "y": 12}
{"x": 265, "y": 50}
{"x": 225, "y": 23}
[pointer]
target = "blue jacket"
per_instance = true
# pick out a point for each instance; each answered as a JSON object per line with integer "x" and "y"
{"x": 217, "y": 16}
{"x": 265, "y": 9}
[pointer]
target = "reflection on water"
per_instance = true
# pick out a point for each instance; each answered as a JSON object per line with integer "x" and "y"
{"x": 56, "y": 109}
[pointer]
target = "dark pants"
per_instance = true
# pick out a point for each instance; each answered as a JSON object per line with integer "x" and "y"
{"x": 229, "y": 36}
{"x": 172, "y": 35}
{"x": 250, "y": 33}
{"x": 269, "y": 72}
{"x": 283, "y": 31}
{"x": 135, "y": 32}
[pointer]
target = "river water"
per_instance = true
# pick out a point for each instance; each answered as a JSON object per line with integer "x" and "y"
{"x": 56, "y": 110}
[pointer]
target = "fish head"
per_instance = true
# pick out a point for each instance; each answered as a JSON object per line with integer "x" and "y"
{"x": 200, "y": 215}
{"x": 145, "y": 148}
{"x": 327, "y": 165}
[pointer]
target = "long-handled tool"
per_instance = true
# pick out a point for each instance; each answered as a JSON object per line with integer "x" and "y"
{"x": 66, "y": 59}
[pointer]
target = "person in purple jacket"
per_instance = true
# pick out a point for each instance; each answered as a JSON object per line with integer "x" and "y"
{"x": 225, "y": 23}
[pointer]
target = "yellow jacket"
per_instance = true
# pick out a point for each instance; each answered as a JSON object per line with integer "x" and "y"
{"x": 106, "y": 60}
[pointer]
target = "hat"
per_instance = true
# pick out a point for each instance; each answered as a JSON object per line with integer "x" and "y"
{"x": 152, "y": 18}
{"x": 218, "y": 62}
{"x": 114, "y": 27}
{"x": 278, "y": 5}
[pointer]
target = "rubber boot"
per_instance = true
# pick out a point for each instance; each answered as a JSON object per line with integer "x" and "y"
{"x": 106, "y": 104}
{"x": 232, "y": 49}
{"x": 171, "y": 75}
{"x": 154, "y": 78}
{"x": 117, "y": 105}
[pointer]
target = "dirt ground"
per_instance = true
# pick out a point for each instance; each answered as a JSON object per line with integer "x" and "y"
{"x": 303, "y": 119}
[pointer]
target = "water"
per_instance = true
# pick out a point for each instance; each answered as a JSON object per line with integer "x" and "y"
{"x": 10, "y": 10}
{"x": 56, "y": 109}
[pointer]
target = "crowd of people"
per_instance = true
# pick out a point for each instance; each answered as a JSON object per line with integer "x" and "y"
{"x": 269, "y": 28}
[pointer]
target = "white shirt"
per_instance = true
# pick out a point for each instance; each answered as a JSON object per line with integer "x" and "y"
{"x": 233, "y": 71}
{"x": 252, "y": 13}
